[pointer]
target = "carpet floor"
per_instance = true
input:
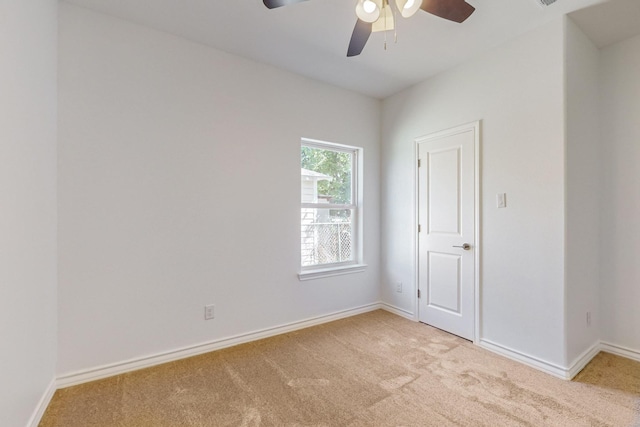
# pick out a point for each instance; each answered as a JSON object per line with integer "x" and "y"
{"x": 375, "y": 369}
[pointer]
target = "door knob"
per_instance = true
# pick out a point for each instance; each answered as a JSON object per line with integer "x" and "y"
{"x": 464, "y": 246}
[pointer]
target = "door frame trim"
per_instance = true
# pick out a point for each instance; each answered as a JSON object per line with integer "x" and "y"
{"x": 476, "y": 126}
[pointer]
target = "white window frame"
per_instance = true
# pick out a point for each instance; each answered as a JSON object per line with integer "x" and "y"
{"x": 357, "y": 177}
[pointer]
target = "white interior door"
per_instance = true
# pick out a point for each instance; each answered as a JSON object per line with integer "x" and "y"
{"x": 447, "y": 231}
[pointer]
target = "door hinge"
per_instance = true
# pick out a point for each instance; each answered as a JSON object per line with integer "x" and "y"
{"x": 418, "y": 293}
{"x": 419, "y": 228}
{"x": 419, "y": 163}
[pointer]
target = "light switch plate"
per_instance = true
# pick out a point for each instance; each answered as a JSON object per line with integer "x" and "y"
{"x": 501, "y": 200}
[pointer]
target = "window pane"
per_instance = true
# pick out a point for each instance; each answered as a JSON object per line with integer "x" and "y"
{"x": 327, "y": 236}
{"x": 326, "y": 176}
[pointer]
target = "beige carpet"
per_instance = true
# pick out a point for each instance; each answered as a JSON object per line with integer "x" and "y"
{"x": 376, "y": 369}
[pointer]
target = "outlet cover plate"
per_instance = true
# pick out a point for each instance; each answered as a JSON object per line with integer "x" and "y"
{"x": 208, "y": 312}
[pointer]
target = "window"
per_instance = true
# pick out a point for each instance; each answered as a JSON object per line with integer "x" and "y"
{"x": 330, "y": 212}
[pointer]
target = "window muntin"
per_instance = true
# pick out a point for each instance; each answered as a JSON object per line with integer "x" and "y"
{"x": 329, "y": 205}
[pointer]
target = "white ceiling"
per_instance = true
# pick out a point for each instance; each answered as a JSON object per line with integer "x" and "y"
{"x": 609, "y": 22}
{"x": 311, "y": 38}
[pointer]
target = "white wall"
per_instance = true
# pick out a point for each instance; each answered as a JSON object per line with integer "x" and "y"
{"x": 517, "y": 91}
{"x": 583, "y": 196}
{"x": 620, "y": 276}
{"x": 179, "y": 186}
{"x": 28, "y": 206}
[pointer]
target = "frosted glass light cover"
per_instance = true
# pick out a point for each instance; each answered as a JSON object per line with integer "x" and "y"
{"x": 368, "y": 10}
{"x": 408, "y": 8}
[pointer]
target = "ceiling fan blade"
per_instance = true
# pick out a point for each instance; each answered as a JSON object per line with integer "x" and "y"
{"x": 453, "y": 10}
{"x": 272, "y": 4}
{"x": 359, "y": 39}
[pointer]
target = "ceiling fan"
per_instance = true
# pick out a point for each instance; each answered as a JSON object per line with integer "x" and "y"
{"x": 377, "y": 15}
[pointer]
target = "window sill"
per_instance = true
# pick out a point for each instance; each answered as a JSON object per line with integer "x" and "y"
{"x": 331, "y": 271}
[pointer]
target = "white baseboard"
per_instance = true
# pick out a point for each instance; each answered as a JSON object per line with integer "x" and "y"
{"x": 42, "y": 404}
{"x": 398, "y": 311}
{"x": 556, "y": 370}
{"x": 582, "y": 361}
{"x": 531, "y": 361}
{"x": 105, "y": 371}
{"x": 619, "y": 350}
{"x": 130, "y": 365}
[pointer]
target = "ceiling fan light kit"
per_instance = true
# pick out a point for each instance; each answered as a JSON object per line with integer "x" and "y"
{"x": 386, "y": 22}
{"x": 369, "y": 10}
{"x": 408, "y": 8}
{"x": 378, "y": 15}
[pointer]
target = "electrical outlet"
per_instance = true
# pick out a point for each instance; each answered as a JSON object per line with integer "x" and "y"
{"x": 399, "y": 287}
{"x": 208, "y": 312}
{"x": 588, "y": 318}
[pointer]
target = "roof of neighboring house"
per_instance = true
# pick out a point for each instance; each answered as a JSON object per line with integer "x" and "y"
{"x": 316, "y": 175}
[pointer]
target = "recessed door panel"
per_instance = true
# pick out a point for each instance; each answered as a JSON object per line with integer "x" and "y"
{"x": 444, "y": 191}
{"x": 444, "y": 282}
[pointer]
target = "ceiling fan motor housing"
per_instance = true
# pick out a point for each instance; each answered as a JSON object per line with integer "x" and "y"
{"x": 369, "y": 11}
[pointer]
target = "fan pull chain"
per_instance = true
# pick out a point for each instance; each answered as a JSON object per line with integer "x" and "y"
{"x": 385, "y": 4}
{"x": 395, "y": 26}
{"x": 395, "y": 37}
